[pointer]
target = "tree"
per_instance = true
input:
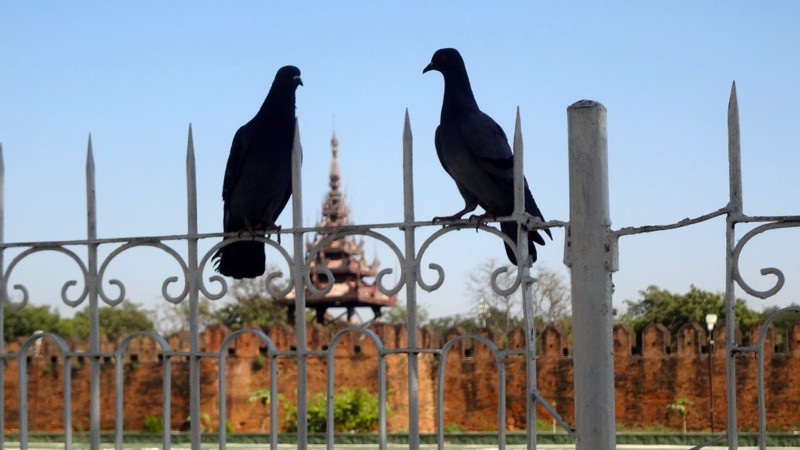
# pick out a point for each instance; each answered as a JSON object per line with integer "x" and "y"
{"x": 114, "y": 321}
{"x": 550, "y": 297}
{"x": 781, "y": 323}
{"x": 252, "y": 305}
{"x": 441, "y": 325}
{"x": 680, "y": 405}
{"x": 354, "y": 410}
{"x": 399, "y": 314}
{"x": 674, "y": 310}
{"x": 26, "y": 320}
{"x": 170, "y": 318}
{"x": 263, "y": 397}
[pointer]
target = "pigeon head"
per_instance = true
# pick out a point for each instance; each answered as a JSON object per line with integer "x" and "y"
{"x": 447, "y": 61}
{"x": 288, "y": 76}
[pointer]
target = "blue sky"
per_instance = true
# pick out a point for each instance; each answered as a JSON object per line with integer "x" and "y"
{"x": 135, "y": 75}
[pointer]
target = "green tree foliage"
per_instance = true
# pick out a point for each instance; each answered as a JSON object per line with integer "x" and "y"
{"x": 252, "y": 305}
{"x": 24, "y": 321}
{"x": 114, "y": 322}
{"x": 399, "y": 314}
{"x": 263, "y": 397}
{"x": 441, "y": 325}
{"x": 681, "y": 405}
{"x": 782, "y": 323}
{"x": 354, "y": 410}
{"x": 674, "y": 310}
{"x": 152, "y": 424}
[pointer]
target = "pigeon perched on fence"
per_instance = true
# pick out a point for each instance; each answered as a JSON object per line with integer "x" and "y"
{"x": 258, "y": 176}
{"x": 474, "y": 151}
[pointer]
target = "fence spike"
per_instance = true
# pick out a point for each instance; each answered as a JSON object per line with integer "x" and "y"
{"x": 91, "y": 199}
{"x": 519, "y": 194}
{"x": 734, "y": 153}
{"x": 408, "y": 176}
{"x": 191, "y": 183}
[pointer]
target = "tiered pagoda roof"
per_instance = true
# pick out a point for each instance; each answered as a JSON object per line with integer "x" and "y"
{"x": 343, "y": 256}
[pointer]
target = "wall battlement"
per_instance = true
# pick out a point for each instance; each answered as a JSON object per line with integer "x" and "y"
{"x": 651, "y": 370}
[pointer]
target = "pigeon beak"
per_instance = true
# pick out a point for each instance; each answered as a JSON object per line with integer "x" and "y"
{"x": 298, "y": 79}
{"x": 429, "y": 67}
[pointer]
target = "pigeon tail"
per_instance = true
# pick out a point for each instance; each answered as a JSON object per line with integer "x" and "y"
{"x": 510, "y": 230}
{"x": 242, "y": 259}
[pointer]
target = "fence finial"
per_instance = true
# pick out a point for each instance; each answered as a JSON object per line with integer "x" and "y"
{"x": 519, "y": 192}
{"x": 89, "y": 154}
{"x": 734, "y": 153}
{"x": 91, "y": 199}
{"x": 191, "y": 184}
{"x": 408, "y": 173}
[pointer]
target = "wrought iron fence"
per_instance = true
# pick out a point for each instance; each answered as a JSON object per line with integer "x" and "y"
{"x": 590, "y": 252}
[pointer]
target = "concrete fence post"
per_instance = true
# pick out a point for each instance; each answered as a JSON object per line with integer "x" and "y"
{"x": 591, "y": 255}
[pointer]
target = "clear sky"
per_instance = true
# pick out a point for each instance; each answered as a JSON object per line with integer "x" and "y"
{"x": 136, "y": 74}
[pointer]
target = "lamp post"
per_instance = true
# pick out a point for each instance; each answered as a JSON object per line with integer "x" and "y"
{"x": 483, "y": 311}
{"x": 711, "y": 320}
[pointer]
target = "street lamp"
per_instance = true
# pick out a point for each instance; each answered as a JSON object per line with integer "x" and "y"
{"x": 483, "y": 310}
{"x": 711, "y": 320}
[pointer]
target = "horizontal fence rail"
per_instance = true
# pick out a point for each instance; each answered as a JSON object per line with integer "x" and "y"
{"x": 590, "y": 251}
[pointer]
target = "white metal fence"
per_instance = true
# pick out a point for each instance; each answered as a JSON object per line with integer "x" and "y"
{"x": 590, "y": 252}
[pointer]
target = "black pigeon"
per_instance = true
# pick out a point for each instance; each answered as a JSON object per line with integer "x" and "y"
{"x": 474, "y": 151}
{"x": 258, "y": 177}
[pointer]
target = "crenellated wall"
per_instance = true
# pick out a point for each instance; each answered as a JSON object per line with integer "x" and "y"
{"x": 652, "y": 370}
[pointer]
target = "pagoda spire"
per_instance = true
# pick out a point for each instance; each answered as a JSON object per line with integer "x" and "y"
{"x": 343, "y": 257}
{"x": 334, "y": 210}
{"x": 336, "y": 174}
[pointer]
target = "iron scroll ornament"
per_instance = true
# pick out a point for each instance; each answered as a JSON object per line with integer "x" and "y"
{"x": 780, "y": 278}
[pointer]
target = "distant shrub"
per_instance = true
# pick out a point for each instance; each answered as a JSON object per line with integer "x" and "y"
{"x": 354, "y": 410}
{"x": 152, "y": 424}
{"x": 453, "y": 428}
{"x": 259, "y": 362}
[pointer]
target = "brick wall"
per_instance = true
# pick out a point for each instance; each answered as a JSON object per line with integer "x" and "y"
{"x": 652, "y": 370}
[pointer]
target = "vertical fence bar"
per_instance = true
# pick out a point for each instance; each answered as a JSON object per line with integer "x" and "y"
{"x": 381, "y": 400}
{"x": 528, "y": 311}
{"x": 590, "y": 256}
{"x": 94, "y": 316}
{"x": 67, "y": 387}
{"x": 221, "y": 380}
{"x": 331, "y": 366}
{"x": 735, "y": 211}
{"x": 501, "y": 402}
{"x": 273, "y": 401}
{"x": 300, "y": 292}
{"x": 119, "y": 389}
{"x": 22, "y": 368}
{"x": 167, "y": 402}
{"x": 411, "y": 286}
{"x": 192, "y": 278}
{"x": 3, "y": 299}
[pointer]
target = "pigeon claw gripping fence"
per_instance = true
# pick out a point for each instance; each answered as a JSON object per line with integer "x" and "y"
{"x": 590, "y": 251}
